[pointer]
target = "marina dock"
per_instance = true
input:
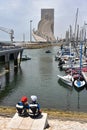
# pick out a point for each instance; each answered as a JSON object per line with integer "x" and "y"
{"x": 85, "y": 75}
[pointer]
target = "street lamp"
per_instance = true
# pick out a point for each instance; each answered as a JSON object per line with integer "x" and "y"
{"x": 30, "y": 30}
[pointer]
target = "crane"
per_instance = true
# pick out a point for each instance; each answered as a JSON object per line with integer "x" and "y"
{"x": 9, "y": 31}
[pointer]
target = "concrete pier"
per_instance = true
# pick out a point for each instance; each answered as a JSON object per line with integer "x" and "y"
{"x": 28, "y": 123}
{"x": 7, "y": 53}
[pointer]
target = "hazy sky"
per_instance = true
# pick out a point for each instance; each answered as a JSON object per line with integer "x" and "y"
{"x": 16, "y": 15}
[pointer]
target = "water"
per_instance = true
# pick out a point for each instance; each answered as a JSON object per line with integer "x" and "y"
{"x": 38, "y": 76}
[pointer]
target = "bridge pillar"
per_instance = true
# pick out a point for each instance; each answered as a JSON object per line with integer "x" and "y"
{"x": 15, "y": 60}
{"x": 7, "y": 61}
{"x": 7, "y": 78}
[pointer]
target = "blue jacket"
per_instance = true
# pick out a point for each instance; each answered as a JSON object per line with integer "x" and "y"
{"x": 26, "y": 106}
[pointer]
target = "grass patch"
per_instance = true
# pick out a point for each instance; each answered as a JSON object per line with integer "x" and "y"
{"x": 7, "y": 111}
{"x": 59, "y": 114}
{"x": 52, "y": 113}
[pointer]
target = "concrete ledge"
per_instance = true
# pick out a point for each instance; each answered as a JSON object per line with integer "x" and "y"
{"x": 28, "y": 123}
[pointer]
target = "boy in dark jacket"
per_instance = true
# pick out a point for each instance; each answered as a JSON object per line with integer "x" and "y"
{"x": 34, "y": 107}
{"x": 23, "y": 107}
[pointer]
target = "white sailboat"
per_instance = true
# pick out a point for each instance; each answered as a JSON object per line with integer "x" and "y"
{"x": 68, "y": 79}
{"x": 75, "y": 65}
{"x": 80, "y": 83}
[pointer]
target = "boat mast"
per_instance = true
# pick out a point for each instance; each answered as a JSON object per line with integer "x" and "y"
{"x": 76, "y": 24}
{"x": 76, "y": 31}
{"x": 80, "y": 57}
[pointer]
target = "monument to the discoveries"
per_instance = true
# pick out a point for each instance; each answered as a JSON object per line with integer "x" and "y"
{"x": 45, "y": 30}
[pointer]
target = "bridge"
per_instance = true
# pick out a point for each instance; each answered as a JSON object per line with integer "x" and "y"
{"x": 8, "y": 53}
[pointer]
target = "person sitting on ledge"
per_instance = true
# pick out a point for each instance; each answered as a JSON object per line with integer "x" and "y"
{"x": 23, "y": 107}
{"x": 34, "y": 107}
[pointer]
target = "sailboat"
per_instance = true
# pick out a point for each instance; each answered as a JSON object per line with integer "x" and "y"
{"x": 68, "y": 79}
{"x": 80, "y": 83}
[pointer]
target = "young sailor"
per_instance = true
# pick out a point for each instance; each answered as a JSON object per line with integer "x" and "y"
{"x": 23, "y": 106}
{"x": 34, "y": 107}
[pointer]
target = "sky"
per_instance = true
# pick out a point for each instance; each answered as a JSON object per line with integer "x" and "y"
{"x": 16, "y": 15}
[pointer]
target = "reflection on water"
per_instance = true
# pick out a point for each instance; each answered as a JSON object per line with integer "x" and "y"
{"x": 78, "y": 96}
{"x": 10, "y": 81}
{"x": 69, "y": 91}
{"x": 78, "y": 104}
{"x": 65, "y": 85}
{"x": 39, "y": 76}
{"x": 7, "y": 78}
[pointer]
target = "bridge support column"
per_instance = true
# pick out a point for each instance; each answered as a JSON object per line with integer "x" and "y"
{"x": 7, "y": 61}
{"x": 15, "y": 59}
{"x": 7, "y": 78}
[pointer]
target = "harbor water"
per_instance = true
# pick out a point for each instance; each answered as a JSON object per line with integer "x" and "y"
{"x": 38, "y": 76}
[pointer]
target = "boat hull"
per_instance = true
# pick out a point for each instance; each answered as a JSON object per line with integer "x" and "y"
{"x": 66, "y": 79}
{"x": 79, "y": 83}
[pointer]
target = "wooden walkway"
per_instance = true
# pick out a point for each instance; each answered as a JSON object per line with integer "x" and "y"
{"x": 85, "y": 76}
{"x": 27, "y": 123}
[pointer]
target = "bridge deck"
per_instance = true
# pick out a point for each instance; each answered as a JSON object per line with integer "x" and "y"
{"x": 27, "y": 123}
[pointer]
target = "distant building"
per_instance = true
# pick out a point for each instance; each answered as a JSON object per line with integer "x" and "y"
{"x": 48, "y": 14}
{"x": 45, "y": 31}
